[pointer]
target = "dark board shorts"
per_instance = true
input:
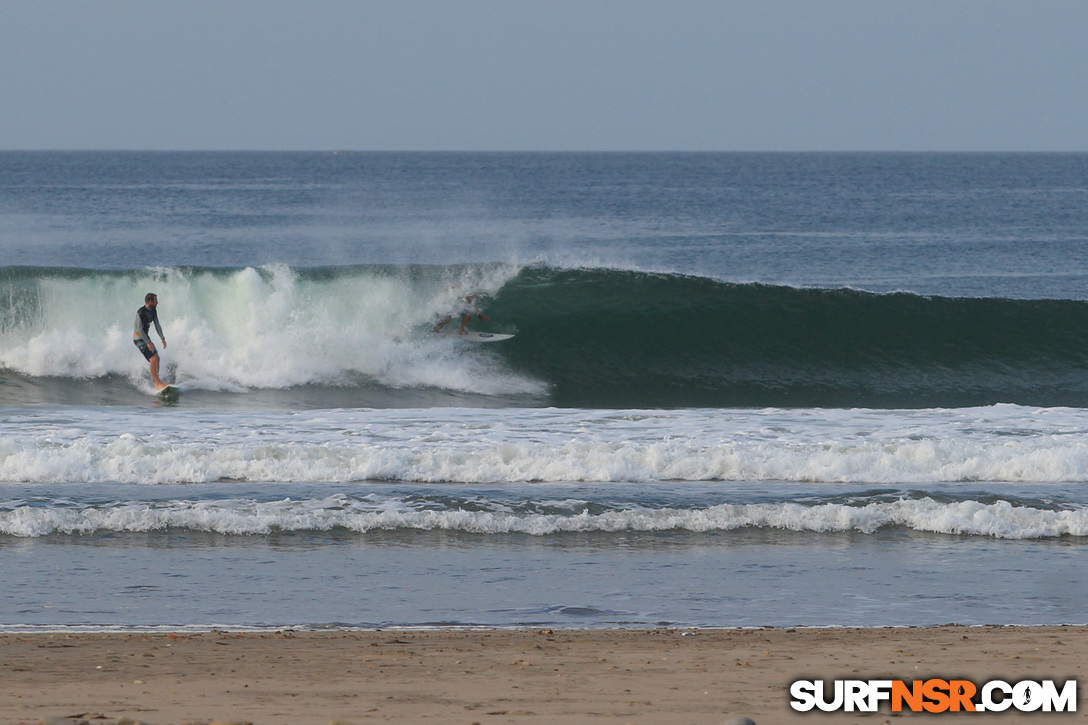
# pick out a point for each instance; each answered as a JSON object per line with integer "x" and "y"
{"x": 147, "y": 351}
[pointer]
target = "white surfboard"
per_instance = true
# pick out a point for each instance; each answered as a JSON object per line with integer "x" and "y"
{"x": 484, "y": 336}
{"x": 471, "y": 336}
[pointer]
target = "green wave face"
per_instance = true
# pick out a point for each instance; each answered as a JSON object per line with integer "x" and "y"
{"x": 632, "y": 339}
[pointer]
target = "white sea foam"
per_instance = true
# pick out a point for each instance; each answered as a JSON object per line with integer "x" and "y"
{"x": 260, "y": 328}
{"x": 1003, "y": 443}
{"x": 241, "y": 517}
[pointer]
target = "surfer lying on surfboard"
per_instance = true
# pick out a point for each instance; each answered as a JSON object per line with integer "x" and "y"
{"x": 466, "y": 312}
{"x": 145, "y": 316}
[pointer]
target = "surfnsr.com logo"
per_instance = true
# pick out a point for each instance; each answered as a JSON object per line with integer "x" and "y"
{"x": 934, "y": 695}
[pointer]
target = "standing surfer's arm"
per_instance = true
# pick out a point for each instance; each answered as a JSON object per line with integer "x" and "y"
{"x": 158, "y": 328}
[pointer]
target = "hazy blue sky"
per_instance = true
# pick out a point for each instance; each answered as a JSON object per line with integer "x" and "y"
{"x": 544, "y": 75}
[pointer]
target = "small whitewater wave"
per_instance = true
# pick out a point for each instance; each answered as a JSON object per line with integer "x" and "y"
{"x": 1000, "y": 444}
{"x": 132, "y": 459}
{"x": 1000, "y": 519}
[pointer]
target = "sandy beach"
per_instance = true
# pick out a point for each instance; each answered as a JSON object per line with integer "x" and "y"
{"x": 502, "y": 676}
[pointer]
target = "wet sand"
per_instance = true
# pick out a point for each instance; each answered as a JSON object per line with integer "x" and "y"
{"x": 505, "y": 676}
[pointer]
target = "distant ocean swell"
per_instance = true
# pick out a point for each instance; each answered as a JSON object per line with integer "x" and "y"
{"x": 585, "y": 337}
{"x": 1000, "y": 519}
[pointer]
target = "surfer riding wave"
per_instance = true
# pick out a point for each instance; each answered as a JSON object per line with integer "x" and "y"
{"x": 466, "y": 311}
{"x": 145, "y": 317}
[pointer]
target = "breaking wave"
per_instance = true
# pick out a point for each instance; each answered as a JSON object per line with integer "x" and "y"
{"x": 584, "y": 338}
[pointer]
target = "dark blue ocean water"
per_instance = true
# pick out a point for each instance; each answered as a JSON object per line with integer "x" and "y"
{"x": 743, "y": 389}
{"x": 1002, "y": 225}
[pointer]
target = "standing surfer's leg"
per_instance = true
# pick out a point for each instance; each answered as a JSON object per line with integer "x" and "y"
{"x": 155, "y": 372}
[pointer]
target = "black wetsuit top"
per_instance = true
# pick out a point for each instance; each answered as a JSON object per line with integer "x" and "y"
{"x": 144, "y": 318}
